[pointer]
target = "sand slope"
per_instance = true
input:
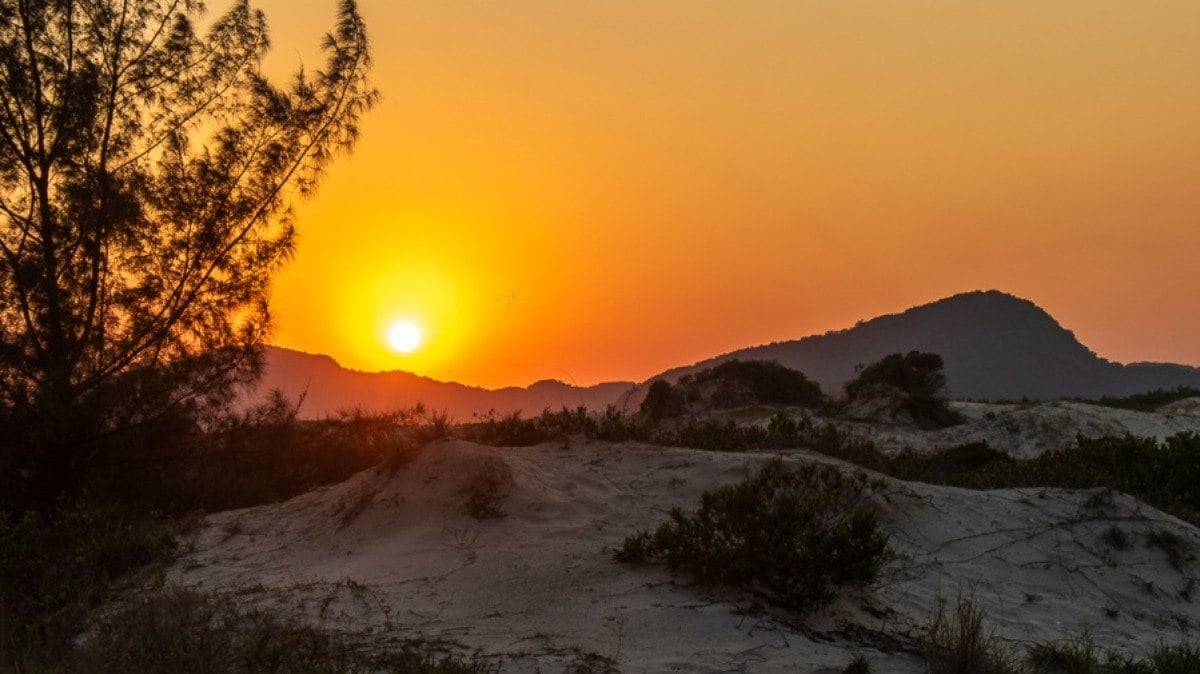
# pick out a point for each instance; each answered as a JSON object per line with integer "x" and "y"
{"x": 536, "y": 589}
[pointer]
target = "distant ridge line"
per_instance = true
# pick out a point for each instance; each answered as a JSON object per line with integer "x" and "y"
{"x": 995, "y": 346}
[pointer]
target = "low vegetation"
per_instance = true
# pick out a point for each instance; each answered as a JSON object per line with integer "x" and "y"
{"x": 733, "y": 383}
{"x": 1163, "y": 473}
{"x": 184, "y": 631}
{"x": 512, "y": 430}
{"x": 261, "y": 456}
{"x": 916, "y": 379}
{"x": 1081, "y": 655}
{"x": 484, "y": 494}
{"x": 791, "y": 534}
{"x": 859, "y": 664}
{"x": 60, "y": 564}
{"x": 746, "y": 382}
{"x": 1146, "y": 402}
{"x": 957, "y": 641}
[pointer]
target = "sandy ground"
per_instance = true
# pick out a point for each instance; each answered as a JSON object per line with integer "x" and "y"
{"x": 536, "y": 588}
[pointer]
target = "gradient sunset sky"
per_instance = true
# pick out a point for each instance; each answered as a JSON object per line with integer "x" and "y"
{"x": 593, "y": 191}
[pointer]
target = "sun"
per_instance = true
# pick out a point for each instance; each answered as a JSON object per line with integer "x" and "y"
{"x": 404, "y": 336}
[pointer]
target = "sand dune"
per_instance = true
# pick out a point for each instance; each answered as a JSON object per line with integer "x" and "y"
{"x": 536, "y": 589}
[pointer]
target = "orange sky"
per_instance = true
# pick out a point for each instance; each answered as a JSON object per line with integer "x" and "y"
{"x": 593, "y": 191}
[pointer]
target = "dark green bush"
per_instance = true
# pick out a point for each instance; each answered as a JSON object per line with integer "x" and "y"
{"x": 951, "y": 463}
{"x": 1163, "y": 474}
{"x": 919, "y": 377}
{"x": 741, "y": 382}
{"x": 917, "y": 373}
{"x": 1146, "y": 402}
{"x": 720, "y": 436}
{"x": 1166, "y": 475}
{"x": 790, "y": 534}
{"x": 663, "y": 401}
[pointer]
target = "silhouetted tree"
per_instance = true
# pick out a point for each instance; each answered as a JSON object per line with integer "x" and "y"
{"x": 662, "y": 401}
{"x": 916, "y": 374}
{"x": 146, "y": 174}
{"x": 766, "y": 381}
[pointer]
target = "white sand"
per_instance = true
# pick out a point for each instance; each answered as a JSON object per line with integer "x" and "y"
{"x": 537, "y": 590}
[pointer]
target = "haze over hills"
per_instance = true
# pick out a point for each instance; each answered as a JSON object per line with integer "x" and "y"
{"x": 328, "y": 388}
{"x": 995, "y": 346}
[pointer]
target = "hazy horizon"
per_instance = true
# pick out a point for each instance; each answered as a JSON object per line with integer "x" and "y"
{"x": 565, "y": 377}
{"x": 606, "y": 191}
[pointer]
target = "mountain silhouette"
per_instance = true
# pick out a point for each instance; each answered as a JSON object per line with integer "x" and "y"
{"x": 328, "y": 388}
{"x": 995, "y": 346}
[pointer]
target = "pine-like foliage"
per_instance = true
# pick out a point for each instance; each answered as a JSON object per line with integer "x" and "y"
{"x": 147, "y": 169}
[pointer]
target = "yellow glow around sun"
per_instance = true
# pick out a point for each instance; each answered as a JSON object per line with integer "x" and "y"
{"x": 404, "y": 336}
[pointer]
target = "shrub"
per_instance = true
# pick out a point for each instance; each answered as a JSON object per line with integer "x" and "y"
{"x": 740, "y": 382}
{"x": 1116, "y": 538}
{"x": 663, "y": 401}
{"x": 952, "y": 462}
{"x": 916, "y": 373}
{"x": 568, "y": 421}
{"x": 918, "y": 376}
{"x": 859, "y": 664}
{"x": 791, "y": 535}
{"x": 1146, "y": 402}
{"x": 1164, "y": 474}
{"x": 956, "y": 643}
{"x": 487, "y": 489}
{"x": 720, "y": 436}
{"x": 616, "y": 426}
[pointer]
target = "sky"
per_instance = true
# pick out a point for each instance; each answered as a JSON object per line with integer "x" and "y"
{"x": 595, "y": 191}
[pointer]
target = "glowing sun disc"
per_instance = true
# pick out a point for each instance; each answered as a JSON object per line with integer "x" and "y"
{"x": 404, "y": 337}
